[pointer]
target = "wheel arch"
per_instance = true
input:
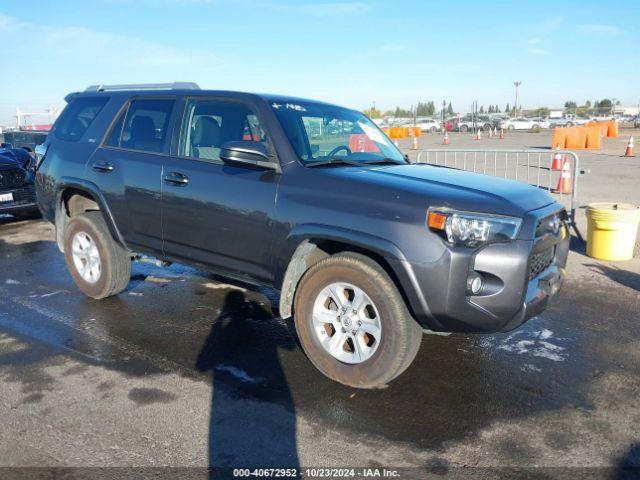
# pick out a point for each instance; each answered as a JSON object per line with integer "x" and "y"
{"x": 76, "y": 196}
{"x": 312, "y": 243}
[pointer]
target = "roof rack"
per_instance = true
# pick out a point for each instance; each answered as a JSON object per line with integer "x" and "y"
{"x": 145, "y": 86}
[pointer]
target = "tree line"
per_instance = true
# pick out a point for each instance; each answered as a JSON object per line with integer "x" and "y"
{"x": 428, "y": 109}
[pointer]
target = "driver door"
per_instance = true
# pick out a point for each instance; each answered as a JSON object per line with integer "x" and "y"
{"x": 215, "y": 214}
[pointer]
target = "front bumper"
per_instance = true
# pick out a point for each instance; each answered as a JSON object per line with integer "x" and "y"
{"x": 517, "y": 286}
{"x": 24, "y": 198}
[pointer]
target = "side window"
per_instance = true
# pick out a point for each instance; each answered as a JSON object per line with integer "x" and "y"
{"x": 146, "y": 125}
{"x": 77, "y": 117}
{"x": 210, "y": 123}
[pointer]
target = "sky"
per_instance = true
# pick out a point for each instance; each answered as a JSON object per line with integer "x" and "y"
{"x": 352, "y": 53}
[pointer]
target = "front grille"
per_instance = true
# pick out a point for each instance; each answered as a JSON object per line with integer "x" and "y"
{"x": 12, "y": 178}
{"x": 540, "y": 261}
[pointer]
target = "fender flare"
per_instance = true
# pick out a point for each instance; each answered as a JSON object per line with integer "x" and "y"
{"x": 299, "y": 245}
{"x": 93, "y": 191}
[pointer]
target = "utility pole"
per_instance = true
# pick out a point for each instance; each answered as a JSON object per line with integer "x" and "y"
{"x": 444, "y": 127}
{"x": 516, "y": 84}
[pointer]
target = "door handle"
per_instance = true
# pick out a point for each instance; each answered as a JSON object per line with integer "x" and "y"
{"x": 102, "y": 167}
{"x": 175, "y": 178}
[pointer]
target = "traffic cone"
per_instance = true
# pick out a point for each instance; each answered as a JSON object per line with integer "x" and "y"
{"x": 501, "y": 133}
{"x": 490, "y": 132}
{"x": 446, "y": 138}
{"x": 478, "y": 135}
{"x": 564, "y": 182}
{"x": 414, "y": 146}
{"x": 629, "y": 151}
{"x": 557, "y": 161}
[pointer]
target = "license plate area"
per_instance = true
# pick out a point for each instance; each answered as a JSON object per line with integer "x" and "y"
{"x": 6, "y": 197}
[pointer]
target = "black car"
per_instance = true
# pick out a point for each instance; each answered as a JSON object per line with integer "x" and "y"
{"x": 312, "y": 199}
{"x": 17, "y": 190}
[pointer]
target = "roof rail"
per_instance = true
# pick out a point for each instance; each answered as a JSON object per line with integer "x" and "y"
{"x": 145, "y": 86}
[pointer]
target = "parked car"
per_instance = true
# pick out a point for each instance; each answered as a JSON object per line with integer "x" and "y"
{"x": 428, "y": 125}
{"x": 541, "y": 122}
{"x": 561, "y": 122}
{"x": 17, "y": 191}
{"x": 568, "y": 121}
{"x": 365, "y": 249}
{"x": 636, "y": 122}
{"x": 521, "y": 123}
{"x": 468, "y": 123}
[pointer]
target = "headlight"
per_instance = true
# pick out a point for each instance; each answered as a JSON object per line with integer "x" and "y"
{"x": 473, "y": 229}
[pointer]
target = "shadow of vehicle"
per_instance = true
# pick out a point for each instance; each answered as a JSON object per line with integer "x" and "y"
{"x": 240, "y": 353}
{"x": 628, "y": 466}
{"x": 623, "y": 277}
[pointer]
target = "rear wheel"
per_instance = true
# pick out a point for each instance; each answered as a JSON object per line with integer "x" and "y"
{"x": 433, "y": 129}
{"x": 511, "y": 127}
{"x": 464, "y": 129}
{"x": 99, "y": 266}
{"x": 353, "y": 323}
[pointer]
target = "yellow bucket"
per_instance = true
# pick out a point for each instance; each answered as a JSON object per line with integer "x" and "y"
{"x": 612, "y": 230}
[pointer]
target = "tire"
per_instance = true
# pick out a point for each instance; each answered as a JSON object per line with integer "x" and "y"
{"x": 535, "y": 127}
{"x": 433, "y": 129}
{"x": 464, "y": 129}
{"x": 511, "y": 128}
{"x": 486, "y": 127}
{"x": 399, "y": 334}
{"x": 569, "y": 124}
{"x": 114, "y": 271}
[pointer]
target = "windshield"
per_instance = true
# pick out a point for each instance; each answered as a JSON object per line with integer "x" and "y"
{"x": 321, "y": 133}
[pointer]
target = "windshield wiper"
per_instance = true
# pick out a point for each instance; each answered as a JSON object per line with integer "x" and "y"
{"x": 334, "y": 161}
{"x": 345, "y": 161}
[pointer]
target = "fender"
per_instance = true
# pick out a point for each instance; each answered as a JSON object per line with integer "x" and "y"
{"x": 299, "y": 245}
{"x": 91, "y": 189}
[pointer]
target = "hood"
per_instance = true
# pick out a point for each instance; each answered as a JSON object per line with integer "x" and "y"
{"x": 448, "y": 187}
{"x": 11, "y": 158}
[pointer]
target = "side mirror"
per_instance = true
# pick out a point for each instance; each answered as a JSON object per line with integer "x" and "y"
{"x": 246, "y": 153}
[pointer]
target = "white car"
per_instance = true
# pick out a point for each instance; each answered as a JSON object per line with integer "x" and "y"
{"x": 542, "y": 122}
{"x": 522, "y": 123}
{"x": 428, "y": 125}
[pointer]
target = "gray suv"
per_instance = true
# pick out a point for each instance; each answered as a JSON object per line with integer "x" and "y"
{"x": 312, "y": 199}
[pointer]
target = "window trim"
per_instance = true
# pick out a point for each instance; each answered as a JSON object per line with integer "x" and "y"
{"x": 273, "y": 154}
{"x": 166, "y": 148}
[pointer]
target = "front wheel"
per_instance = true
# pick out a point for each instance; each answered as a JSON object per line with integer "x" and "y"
{"x": 353, "y": 323}
{"x": 464, "y": 129}
{"x": 511, "y": 128}
{"x": 433, "y": 129}
{"x": 100, "y": 267}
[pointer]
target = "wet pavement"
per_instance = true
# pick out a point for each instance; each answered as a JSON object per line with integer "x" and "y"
{"x": 184, "y": 369}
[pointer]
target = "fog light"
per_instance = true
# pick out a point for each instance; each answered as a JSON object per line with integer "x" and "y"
{"x": 475, "y": 282}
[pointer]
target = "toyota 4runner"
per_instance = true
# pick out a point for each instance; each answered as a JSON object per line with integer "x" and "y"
{"x": 366, "y": 249}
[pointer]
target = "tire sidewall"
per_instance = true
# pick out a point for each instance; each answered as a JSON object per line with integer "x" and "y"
{"x": 383, "y": 364}
{"x": 82, "y": 223}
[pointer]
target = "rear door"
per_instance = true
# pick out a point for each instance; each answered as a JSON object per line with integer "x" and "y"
{"x": 128, "y": 169}
{"x": 215, "y": 214}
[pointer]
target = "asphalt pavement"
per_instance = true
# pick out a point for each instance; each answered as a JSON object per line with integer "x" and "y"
{"x": 185, "y": 370}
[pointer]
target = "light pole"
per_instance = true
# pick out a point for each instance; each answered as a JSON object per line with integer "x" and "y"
{"x": 516, "y": 84}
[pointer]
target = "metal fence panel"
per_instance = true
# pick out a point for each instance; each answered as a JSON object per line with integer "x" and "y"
{"x": 533, "y": 167}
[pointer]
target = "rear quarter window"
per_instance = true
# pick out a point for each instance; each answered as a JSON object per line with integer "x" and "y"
{"x": 77, "y": 117}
